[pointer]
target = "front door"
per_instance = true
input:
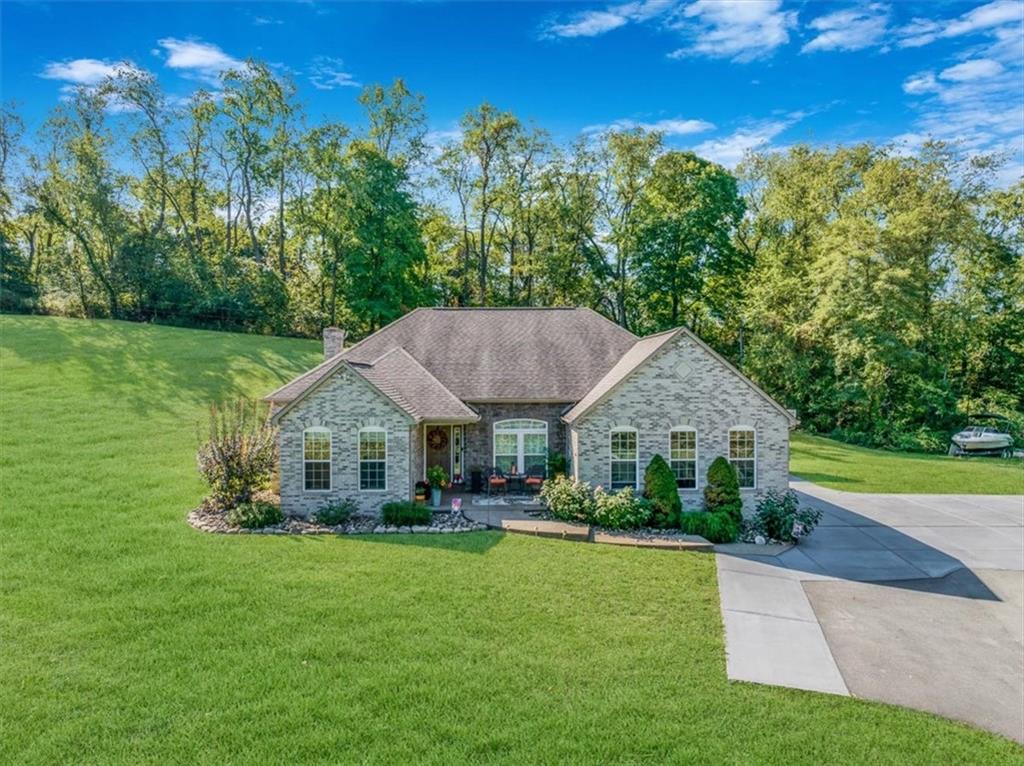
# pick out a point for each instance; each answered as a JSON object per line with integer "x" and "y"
{"x": 438, "y": 448}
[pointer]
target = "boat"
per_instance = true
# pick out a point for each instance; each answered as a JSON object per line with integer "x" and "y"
{"x": 981, "y": 440}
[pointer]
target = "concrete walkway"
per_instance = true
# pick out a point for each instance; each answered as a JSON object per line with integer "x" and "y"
{"x": 884, "y": 580}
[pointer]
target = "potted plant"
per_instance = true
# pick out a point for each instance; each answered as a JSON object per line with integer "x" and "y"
{"x": 437, "y": 477}
{"x": 421, "y": 491}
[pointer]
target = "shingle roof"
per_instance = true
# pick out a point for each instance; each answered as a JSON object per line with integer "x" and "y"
{"x": 641, "y": 351}
{"x": 404, "y": 380}
{"x": 486, "y": 354}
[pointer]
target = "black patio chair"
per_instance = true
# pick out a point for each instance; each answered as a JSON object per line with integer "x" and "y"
{"x": 535, "y": 476}
{"x": 496, "y": 480}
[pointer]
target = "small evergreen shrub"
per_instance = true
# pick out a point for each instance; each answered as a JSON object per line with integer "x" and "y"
{"x": 405, "y": 514}
{"x": 557, "y": 464}
{"x": 715, "y": 527}
{"x": 722, "y": 490}
{"x": 255, "y": 514}
{"x": 568, "y": 499}
{"x": 779, "y": 517}
{"x": 660, "y": 490}
{"x": 336, "y": 513}
{"x": 619, "y": 510}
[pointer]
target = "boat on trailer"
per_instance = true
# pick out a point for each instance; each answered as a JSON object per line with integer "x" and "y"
{"x": 981, "y": 440}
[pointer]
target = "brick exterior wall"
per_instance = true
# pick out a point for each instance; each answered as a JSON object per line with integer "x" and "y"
{"x": 344, "y": 404}
{"x": 710, "y": 398}
{"x": 479, "y": 447}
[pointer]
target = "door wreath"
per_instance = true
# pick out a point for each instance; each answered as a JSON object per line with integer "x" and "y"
{"x": 437, "y": 439}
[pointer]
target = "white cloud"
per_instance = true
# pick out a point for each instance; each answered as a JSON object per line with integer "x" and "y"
{"x": 850, "y": 29}
{"x": 263, "y": 21}
{"x": 676, "y": 126}
{"x": 972, "y": 70}
{"x": 195, "y": 58}
{"x": 983, "y": 18}
{"x": 326, "y": 73}
{"x": 729, "y": 150}
{"x": 596, "y": 22}
{"x": 83, "y": 71}
{"x": 742, "y": 30}
{"x": 922, "y": 82}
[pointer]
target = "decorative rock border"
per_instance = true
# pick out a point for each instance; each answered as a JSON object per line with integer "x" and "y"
{"x": 216, "y": 522}
{"x": 645, "y": 538}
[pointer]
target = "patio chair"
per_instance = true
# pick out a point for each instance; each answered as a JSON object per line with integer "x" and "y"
{"x": 496, "y": 480}
{"x": 535, "y": 478}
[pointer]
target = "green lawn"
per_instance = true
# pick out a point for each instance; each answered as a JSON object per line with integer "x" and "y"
{"x": 857, "y": 469}
{"x": 128, "y": 637}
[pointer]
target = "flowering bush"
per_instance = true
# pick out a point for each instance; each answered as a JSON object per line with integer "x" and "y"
{"x": 437, "y": 477}
{"x": 240, "y": 452}
{"x": 568, "y": 499}
{"x": 778, "y": 516}
{"x": 620, "y": 510}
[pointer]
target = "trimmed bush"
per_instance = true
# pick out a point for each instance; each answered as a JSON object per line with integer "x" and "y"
{"x": 336, "y": 513}
{"x": 557, "y": 464}
{"x": 716, "y": 527}
{"x": 405, "y": 514}
{"x": 619, "y": 510}
{"x": 255, "y": 514}
{"x": 568, "y": 499}
{"x": 722, "y": 491}
{"x": 660, "y": 490}
{"x": 779, "y": 517}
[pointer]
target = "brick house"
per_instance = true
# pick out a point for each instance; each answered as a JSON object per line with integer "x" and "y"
{"x": 479, "y": 390}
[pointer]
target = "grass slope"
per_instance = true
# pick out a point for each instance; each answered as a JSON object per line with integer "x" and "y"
{"x": 129, "y": 637}
{"x": 857, "y": 469}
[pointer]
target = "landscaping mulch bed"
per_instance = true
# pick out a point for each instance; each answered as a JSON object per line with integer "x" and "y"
{"x": 215, "y": 520}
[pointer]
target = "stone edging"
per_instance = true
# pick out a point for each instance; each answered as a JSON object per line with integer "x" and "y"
{"x": 215, "y": 522}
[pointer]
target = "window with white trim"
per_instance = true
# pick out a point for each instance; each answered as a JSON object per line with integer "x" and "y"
{"x": 373, "y": 459}
{"x": 683, "y": 457}
{"x": 519, "y": 445}
{"x": 316, "y": 459}
{"x": 624, "y": 458}
{"x": 743, "y": 455}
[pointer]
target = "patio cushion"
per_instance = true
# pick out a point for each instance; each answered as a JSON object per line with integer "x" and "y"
{"x": 534, "y": 480}
{"x": 497, "y": 480}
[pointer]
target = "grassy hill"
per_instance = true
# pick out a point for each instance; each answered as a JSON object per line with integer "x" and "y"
{"x": 129, "y": 637}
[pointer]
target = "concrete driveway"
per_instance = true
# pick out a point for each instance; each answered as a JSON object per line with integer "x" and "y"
{"x": 916, "y": 600}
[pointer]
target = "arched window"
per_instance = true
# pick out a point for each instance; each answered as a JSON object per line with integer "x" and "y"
{"x": 625, "y": 458}
{"x": 743, "y": 455}
{"x": 373, "y": 459}
{"x": 683, "y": 457}
{"x": 520, "y": 444}
{"x": 316, "y": 459}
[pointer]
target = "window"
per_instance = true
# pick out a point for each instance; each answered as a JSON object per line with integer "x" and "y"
{"x": 743, "y": 456}
{"x": 316, "y": 459}
{"x": 683, "y": 457}
{"x": 373, "y": 459}
{"x": 624, "y": 458}
{"x": 520, "y": 444}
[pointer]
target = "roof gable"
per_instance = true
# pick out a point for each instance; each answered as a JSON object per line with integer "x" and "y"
{"x": 643, "y": 351}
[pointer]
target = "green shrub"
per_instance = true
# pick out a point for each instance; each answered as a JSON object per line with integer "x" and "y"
{"x": 619, "y": 510}
{"x": 405, "y": 514}
{"x": 779, "y": 517}
{"x": 722, "y": 490}
{"x": 568, "y": 499}
{"x": 660, "y": 490}
{"x": 255, "y": 514}
{"x": 336, "y": 513}
{"x": 557, "y": 464}
{"x": 715, "y": 527}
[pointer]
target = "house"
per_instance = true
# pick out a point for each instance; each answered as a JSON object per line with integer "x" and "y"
{"x": 474, "y": 388}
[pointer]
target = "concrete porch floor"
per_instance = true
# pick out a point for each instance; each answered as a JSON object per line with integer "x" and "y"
{"x": 494, "y": 512}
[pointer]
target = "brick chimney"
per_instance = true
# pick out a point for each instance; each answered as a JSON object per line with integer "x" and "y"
{"x": 334, "y": 341}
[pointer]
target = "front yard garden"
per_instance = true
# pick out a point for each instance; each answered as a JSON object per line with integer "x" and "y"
{"x": 129, "y": 637}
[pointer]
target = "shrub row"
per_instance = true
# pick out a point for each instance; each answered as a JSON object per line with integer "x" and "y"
{"x": 405, "y": 514}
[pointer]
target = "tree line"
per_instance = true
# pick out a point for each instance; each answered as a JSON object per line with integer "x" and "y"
{"x": 878, "y": 292}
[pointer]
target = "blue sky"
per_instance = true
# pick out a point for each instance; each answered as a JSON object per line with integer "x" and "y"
{"x": 717, "y": 77}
